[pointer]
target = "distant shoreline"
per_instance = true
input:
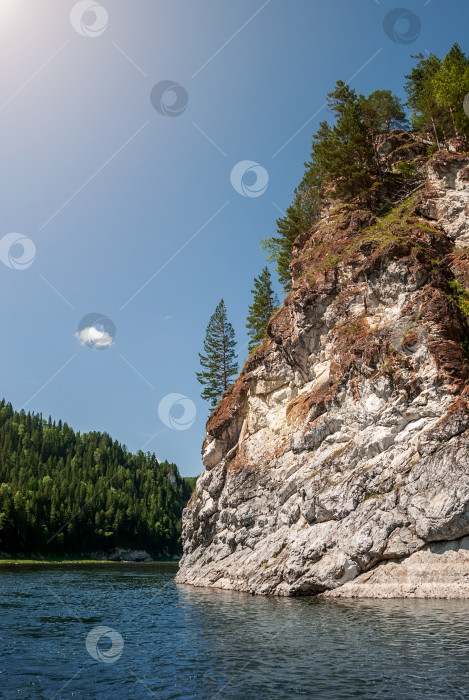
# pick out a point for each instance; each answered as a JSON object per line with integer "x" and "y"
{"x": 162, "y": 560}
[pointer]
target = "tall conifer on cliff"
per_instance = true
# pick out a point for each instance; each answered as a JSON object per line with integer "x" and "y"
{"x": 264, "y": 303}
{"x": 219, "y": 366}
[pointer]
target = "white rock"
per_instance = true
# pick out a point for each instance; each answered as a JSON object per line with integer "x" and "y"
{"x": 304, "y": 494}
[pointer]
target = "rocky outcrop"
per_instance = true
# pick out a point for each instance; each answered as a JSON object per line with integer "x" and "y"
{"x": 437, "y": 571}
{"x": 446, "y": 198}
{"x": 125, "y": 555}
{"x": 343, "y": 445}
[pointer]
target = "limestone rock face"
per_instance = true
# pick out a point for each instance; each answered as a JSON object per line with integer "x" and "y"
{"x": 447, "y": 195}
{"x": 344, "y": 442}
{"x": 437, "y": 571}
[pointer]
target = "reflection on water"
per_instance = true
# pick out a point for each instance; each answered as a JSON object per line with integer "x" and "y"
{"x": 184, "y": 642}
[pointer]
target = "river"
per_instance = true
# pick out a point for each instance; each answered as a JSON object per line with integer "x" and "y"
{"x": 128, "y": 631}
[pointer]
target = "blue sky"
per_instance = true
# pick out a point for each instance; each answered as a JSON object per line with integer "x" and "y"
{"x": 116, "y": 196}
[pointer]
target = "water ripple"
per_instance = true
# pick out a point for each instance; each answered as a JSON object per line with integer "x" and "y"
{"x": 187, "y": 643}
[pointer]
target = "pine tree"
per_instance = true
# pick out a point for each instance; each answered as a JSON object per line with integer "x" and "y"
{"x": 383, "y": 111}
{"x": 265, "y": 302}
{"x": 219, "y": 361}
{"x": 451, "y": 85}
{"x": 426, "y": 115}
{"x": 343, "y": 155}
{"x": 298, "y": 218}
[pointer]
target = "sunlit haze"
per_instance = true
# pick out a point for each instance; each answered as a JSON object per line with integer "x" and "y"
{"x": 125, "y": 191}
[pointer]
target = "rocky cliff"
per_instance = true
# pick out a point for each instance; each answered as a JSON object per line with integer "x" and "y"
{"x": 343, "y": 445}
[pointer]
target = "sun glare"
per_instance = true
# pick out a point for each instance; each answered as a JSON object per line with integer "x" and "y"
{"x": 7, "y": 10}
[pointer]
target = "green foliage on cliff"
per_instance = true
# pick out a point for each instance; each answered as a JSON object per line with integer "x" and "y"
{"x": 436, "y": 90}
{"x": 344, "y": 158}
{"x": 263, "y": 305}
{"x": 298, "y": 218}
{"x": 460, "y": 296}
{"x": 63, "y": 492}
{"x": 343, "y": 163}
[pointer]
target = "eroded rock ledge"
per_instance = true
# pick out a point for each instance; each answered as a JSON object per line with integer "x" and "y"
{"x": 437, "y": 571}
{"x": 344, "y": 443}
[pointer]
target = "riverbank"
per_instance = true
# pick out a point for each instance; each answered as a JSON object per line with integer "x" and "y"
{"x": 56, "y": 561}
{"x": 85, "y": 561}
{"x": 82, "y": 560}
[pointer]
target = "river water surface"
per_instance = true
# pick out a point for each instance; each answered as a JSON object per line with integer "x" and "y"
{"x": 128, "y": 631}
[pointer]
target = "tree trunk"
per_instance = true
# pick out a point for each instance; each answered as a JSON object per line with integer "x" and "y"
{"x": 456, "y": 132}
{"x": 436, "y": 134}
{"x": 225, "y": 387}
{"x": 376, "y": 157}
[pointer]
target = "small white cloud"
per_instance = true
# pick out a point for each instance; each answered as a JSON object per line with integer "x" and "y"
{"x": 94, "y": 338}
{"x": 168, "y": 318}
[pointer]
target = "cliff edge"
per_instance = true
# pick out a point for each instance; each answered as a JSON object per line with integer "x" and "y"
{"x": 339, "y": 460}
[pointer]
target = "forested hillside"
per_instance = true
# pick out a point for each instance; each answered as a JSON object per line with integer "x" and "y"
{"x": 66, "y": 492}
